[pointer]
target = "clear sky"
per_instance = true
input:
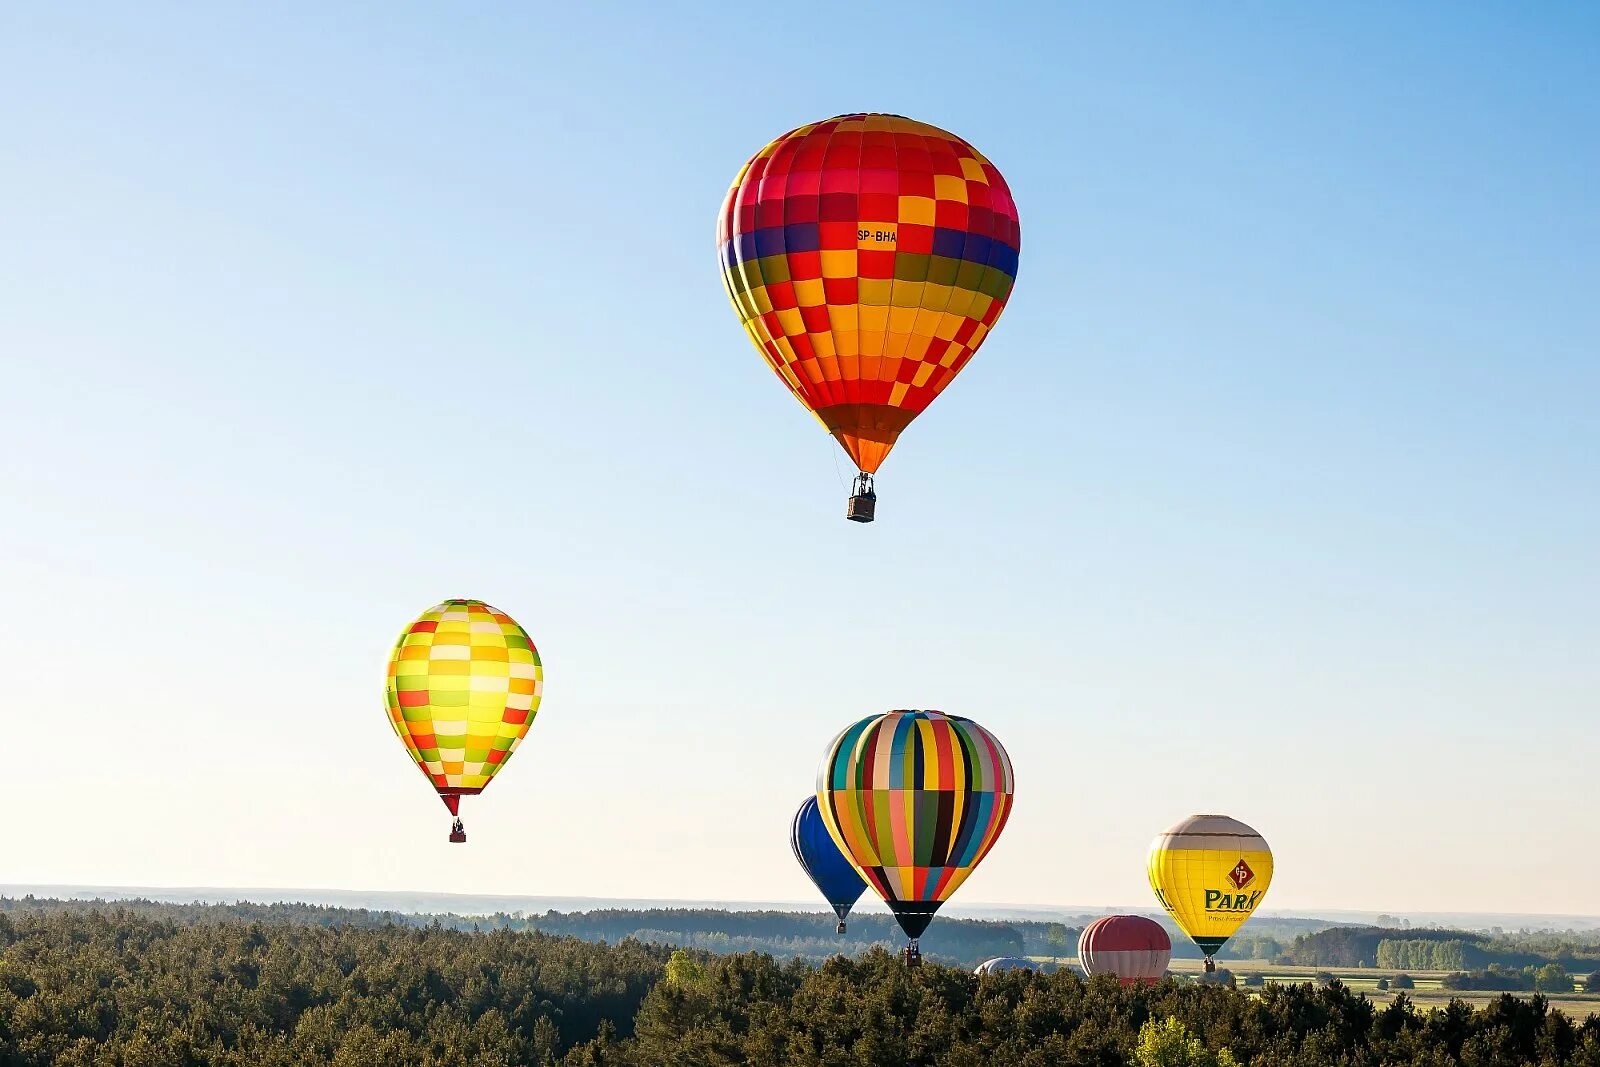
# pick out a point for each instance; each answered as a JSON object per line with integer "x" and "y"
{"x": 1276, "y": 491}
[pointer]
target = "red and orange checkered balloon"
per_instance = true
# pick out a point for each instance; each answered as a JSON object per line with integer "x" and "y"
{"x": 868, "y": 257}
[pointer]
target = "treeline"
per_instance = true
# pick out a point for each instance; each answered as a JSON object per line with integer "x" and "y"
{"x": 1458, "y": 954}
{"x": 303, "y": 914}
{"x": 1439, "y": 950}
{"x": 1419, "y": 954}
{"x": 785, "y": 935}
{"x": 1549, "y": 978}
{"x": 81, "y": 986}
{"x": 965, "y": 942}
{"x": 1564, "y": 944}
{"x": 791, "y": 935}
{"x": 1357, "y": 946}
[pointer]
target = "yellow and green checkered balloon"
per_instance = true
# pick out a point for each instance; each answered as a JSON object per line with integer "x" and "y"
{"x": 464, "y": 686}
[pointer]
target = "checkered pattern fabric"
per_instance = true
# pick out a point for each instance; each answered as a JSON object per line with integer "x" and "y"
{"x": 868, "y": 257}
{"x": 464, "y": 685}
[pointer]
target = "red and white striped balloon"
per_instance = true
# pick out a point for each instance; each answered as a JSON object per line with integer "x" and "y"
{"x": 1133, "y": 948}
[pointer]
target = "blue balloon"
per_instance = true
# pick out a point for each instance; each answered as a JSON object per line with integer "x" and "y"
{"x": 823, "y": 862}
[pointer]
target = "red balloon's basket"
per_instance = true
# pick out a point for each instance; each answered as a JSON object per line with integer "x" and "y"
{"x": 864, "y": 502}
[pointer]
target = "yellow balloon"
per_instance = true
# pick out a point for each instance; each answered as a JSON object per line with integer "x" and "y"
{"x": 1210, "y": 872}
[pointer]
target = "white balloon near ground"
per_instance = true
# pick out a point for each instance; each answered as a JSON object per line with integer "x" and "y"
{"x": 1001, "y": 964}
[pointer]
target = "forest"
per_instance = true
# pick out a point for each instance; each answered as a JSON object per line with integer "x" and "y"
{"x": 963, "y": 942}
{"x": 173, "y": 986}
{"x": 1442, "y": 950}
{"x": 782, "y": 934}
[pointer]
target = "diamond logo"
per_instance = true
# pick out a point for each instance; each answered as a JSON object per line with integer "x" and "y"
{"x": 1241, "y": 875}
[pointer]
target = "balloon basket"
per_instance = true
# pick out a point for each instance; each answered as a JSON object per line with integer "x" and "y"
{"x": 863, "y": 506}
{"x": 913, "y": 955}
{"x": 458, "y": 837}
{"x": 840, "y": 928}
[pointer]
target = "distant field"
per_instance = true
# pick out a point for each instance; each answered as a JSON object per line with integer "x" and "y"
{"x": 1365, "y": 980}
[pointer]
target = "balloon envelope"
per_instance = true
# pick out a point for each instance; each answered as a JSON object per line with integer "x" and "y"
{"x": 1132, "y": 947}
{"x": 1210, "y": 872}
{"x": 828, "y": 868}
{"x": 868, "y": 256}
{"x": 464, "y": 685}
{"x": 916, "y": 799}
{"x": 1001, "y": 964}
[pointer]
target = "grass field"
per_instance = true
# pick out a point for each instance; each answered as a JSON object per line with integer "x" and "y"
{"x": 1365, "y": 980}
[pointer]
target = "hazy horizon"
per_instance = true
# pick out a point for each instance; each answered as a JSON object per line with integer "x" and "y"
{"x": 420, "y": 903}
{"x": 1276, "y": 491}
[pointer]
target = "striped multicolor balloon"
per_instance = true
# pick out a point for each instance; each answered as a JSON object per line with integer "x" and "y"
{"x": 915, "y": 799}
{"x": 868, "y": 256}
{"x": 464, "y": 685}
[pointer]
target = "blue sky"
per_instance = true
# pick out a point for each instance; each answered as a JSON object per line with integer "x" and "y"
{"x": 1274, "y": 492}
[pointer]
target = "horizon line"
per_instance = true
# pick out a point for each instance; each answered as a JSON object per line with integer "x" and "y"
{"x": 285, "y": 895}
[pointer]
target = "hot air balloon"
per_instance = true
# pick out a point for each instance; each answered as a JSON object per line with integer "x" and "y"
{"x": 1002, "y": 964}
{"x": 868, "y": 257}
{"x": 1133, "y": 948}
{"x": 916, "y": 799}
{"x": 1210, "y": 872}
{"x": 464, "y": 685}
{"x": 828, "y": 868}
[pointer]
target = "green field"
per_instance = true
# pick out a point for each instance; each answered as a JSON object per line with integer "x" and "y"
{"x": 1365, "y": 980}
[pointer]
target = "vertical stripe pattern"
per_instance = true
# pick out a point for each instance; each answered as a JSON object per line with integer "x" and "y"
{"x": 915, "y": 799}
